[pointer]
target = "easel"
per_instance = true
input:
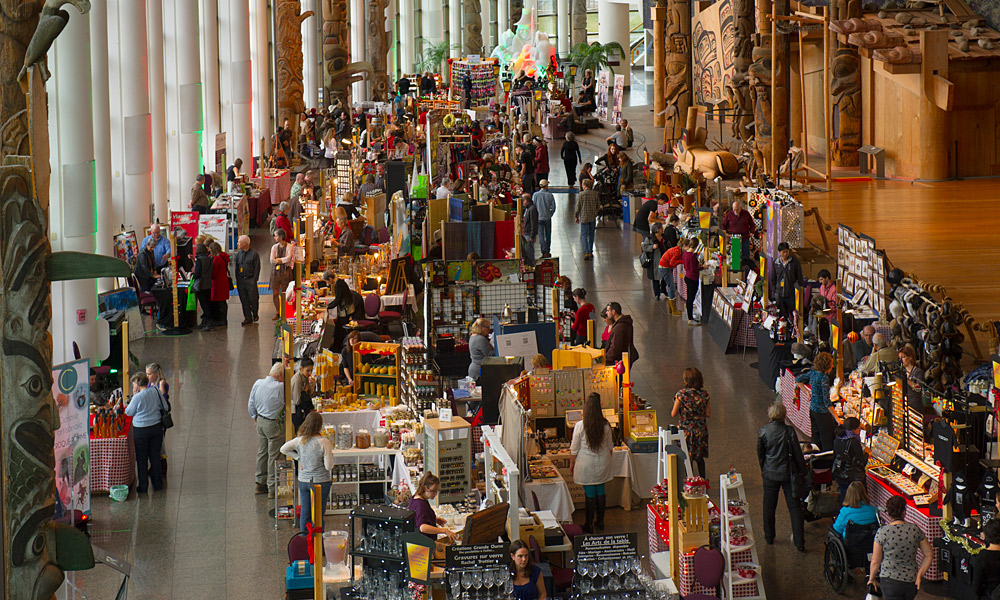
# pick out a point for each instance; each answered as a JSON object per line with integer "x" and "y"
{"x": 176, "y": 330}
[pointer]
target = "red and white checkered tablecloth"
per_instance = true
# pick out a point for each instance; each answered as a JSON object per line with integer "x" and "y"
{"x": 655, "y": 525}
{"x": 796, "y": 403}
{"x": 931, "y": 526}
{"x": 280, "y": 186}
{"x": 690, "y": 585}
{"x": 112, "y": 462}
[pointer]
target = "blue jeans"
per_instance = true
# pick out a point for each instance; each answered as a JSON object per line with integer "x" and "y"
{"x": 587, "y": 236}
{"x": 305, "y": 497}
{"x": 545, "y": 235}
{"x": 669, "y": 282}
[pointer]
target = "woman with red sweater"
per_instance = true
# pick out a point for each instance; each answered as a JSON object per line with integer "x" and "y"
{"x": 691, "y": 270}
{"x": 670, "y": 259}
{"x": 582, "y": 316}
{"x": 220, "y": 284}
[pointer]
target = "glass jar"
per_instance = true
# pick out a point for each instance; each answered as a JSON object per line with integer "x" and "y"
{"x": 381, "y": 438}
{"x": 345, "y": 437}
{"x": 363, "y": 439}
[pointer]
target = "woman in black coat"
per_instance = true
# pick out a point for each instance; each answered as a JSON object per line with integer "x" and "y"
{"x": 655, "y": 245}
{"x": 201, "y": 284}
{"x": 849, "y": 460}
{"x": 780, "y": 459}
{"x": 571, "y": 157}
{"x": 145, "y": 267}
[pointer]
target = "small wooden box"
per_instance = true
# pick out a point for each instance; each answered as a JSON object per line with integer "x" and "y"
{"x": 690, "y": 540}
{"x": 535, "y": 530}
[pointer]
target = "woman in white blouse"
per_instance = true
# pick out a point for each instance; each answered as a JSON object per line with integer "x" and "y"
{"x": 282, "y": 259}
{"x": 315, "y": 456}
{"x": 591, "y": 459}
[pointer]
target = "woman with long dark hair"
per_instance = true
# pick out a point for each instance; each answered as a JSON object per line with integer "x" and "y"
{"x": 315, "y": 455}
{"x": 591, "y": 459}
{"x": 692, "y": 405}
{"x": 526, "y": 576}
{"x": 201, "y": 284}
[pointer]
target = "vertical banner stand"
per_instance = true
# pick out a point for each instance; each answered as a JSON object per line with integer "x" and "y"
{"x": 176, "y": 329}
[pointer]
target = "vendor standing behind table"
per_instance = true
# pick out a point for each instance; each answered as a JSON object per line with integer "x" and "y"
{"x": 881, "y": 353}
{"x": 347, "y": 352}
{"x": 914, "y": 380}
{"x": 426, "y": 519}
{"x": 479, "y": 345}
{"x": 786, "y": 276}
{"x": 820, "y": 418}
{"x": 590, "y": 462}
{"x": 302, "y": 384}
{"x": 738, "y": 222}
{"x": 343, "y": 303}
{"x": 346, "y": 242}
{"x": 525, "y": 575}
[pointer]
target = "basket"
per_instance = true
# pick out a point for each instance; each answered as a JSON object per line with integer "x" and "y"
{"x": 119, "y": 493}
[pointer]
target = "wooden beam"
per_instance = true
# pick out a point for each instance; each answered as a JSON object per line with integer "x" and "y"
{"x": 827, "y": 117}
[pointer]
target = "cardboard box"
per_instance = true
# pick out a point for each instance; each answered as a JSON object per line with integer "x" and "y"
{"x": 535, "y": 530}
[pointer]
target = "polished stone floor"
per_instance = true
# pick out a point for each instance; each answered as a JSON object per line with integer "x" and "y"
{"x": 208, "y": 536}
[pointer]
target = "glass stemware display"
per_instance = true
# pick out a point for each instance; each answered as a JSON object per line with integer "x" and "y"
{"x": 615, "y": 579}
{"x": 381, "y": 584}
{"x": 491, "y": 583}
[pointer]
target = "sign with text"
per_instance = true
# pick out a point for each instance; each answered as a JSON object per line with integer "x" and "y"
{"x": 610, "y": 546}
{"x": 419, "y": 550}
{"x": 475, "y": 556}
{"x": 186, "y": 221}
{"x": 215, "y": 226}
{"x": 71, "y": 392}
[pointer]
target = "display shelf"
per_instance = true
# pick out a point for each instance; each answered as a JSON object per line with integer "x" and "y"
{"x": 378, "y": 525}
{"x": 376, "y": 355}
{"x": 447, "y": 447}
{"x": 285, "y": 491}
{"x": 735, "y": 586}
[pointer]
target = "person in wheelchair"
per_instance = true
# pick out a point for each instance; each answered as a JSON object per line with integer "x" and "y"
{"x": 857, "y": 509}
{"x": 851, "y": 539}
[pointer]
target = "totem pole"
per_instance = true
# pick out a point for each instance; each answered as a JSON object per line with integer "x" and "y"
{"x": 659, "y": 16}
{"x": 376, "y": 47}
{"x": 36, "y": 551}
{"x": 846, "y": 90}
{"x": 768, "y": 70}
{"x": 473, "y": 35}
{"x": 288, "y": 65}
{"x": 738, "y": 92}
{"x": 340, "y": 72}
{"x": 677, "y": 92}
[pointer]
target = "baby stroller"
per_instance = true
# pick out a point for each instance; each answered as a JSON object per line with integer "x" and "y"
{"x": 852, "y": 551}
{"x": 610, "y": 204}
{"x": 823, "y": 500}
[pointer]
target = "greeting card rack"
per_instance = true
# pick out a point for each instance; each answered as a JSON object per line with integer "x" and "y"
{"x": 745, "y": 555}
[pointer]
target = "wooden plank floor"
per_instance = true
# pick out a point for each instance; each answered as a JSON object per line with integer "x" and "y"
{"x": 946, "y": 233}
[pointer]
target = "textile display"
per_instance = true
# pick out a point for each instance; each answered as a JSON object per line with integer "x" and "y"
{"x": 713, "y": 40}
{"x": 484, "y": 82}
{"x": 71, "y": 391}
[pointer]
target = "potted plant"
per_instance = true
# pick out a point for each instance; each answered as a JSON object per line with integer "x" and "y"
{"x": 435, "y": 57}
{"x": 595, "y": 56}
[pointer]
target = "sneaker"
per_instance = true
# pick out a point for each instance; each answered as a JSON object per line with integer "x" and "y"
{"x": 160, "y": 327}
{"x": 260, "y": 488}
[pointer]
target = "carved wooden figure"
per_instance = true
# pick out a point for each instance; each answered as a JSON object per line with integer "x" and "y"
{"x": 770, "y": 103}
{"x": 472, "y": 34}
{"x": 377, "y": 47}
{"x": 339, "y": 71}
{"x": 677, "y": 94}
{"x": 288, "y": 65}
{"x": 846, "y": 85}
{"x": 738, "y": 92}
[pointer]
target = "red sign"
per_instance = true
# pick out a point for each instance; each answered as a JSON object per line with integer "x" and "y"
{"x": 186, "y": 220}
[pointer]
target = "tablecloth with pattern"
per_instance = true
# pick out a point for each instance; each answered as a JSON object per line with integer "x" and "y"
{"x": 112, "y": 462}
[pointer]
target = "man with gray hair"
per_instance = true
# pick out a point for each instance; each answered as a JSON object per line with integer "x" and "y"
{"x": 281, "y": 221}
{"x": 267, "y": 407}
{"x": 199, "y": 199}
{"x": 247, "y": 266}
{"x": 881, "y": 354}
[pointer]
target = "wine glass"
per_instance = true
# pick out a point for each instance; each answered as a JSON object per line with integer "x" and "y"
{"x": 583, "y": 568}
{"x": 455, "y": 579}
{"x": 466, "y": 582}
{"x": 477, "y": 582}
{"x": 508, "y": 586}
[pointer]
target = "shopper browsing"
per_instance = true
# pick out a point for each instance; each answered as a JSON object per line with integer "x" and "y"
{"x": 545, "y": 203}
{"x": 220, "y": 284}
{"x": 541, "y": 161}
{"x": 590, "y": 460}
{"x": 670, "y": 260}
{"x": 266, "y": 407}
{"x": 570, "y": 154}
{"x": 894, "y": 568}
{"x": 620, "y": 337}
{"x": 247, "y": 266}
{"x": 654, "y": 245}
{"x": 856, "y": 508}
{"x": 147, "y": 431}
{"x": 586, "y": 215}
{"x": 524, "y": 574}
{"x": 426, "y": 519}
{"x": 315, "y": 457}
{"x": 692, "y": 269}
{"x": 780, "y": 459}
{"x": 691, "y": 404}
{"x": 849, "y": 459}
{"x": 199, "y": 199}
{"x": 786, "y": 277}
{"x": 818, "y": 382}
{"x": 302, "y": 385}
{"x": 582, "y": 316}
{"x": 479, "y": 345}
{"x": 201, "y": 284}
{"x": 529, "y": 229}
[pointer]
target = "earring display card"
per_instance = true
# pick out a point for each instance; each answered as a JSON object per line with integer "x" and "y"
{"x": 568, "y": 390}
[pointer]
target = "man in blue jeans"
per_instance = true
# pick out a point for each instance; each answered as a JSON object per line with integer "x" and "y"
{"x": 586, "y": 216}
{"x": 545, "y": 203}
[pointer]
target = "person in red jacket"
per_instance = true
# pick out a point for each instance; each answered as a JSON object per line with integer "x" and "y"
{"x": 220, "y": 284}
{"x": 281, "y": 221}
{"x": 692, "y": 267}
{"x": 583, "y": 312}
{"x": 670, "y": 259}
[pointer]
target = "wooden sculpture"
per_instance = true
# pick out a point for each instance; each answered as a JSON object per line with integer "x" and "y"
{"x": 472, "y": 16}
{"x": 288, "y": 65}
{"x": 677, "y": 94}
{"x": 770, "y": 66}
{"x": 900, "y": 55}
{"x": 691, "y": 154}
{"x": 846, "y": 85}
{"x": 738, "y": 91}
{"x": 875, "y": 39}
{"x": 658, "y": 13}
{"x": 377, "y": 48}
{"x": 339, "y": 71}
{"x": 854, "y": 25}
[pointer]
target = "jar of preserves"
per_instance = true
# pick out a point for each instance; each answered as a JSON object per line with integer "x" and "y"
{"x": 381, "y": 439}
{"x": 363, "y": 439}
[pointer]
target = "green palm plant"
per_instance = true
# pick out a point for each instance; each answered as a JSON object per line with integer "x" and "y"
{"x": 595, "y": 56}
{"x": 435, "y": 55}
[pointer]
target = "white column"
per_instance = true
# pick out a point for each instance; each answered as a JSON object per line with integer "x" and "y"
{"x": 613, "y": 26}
{"x": 72, "y": 202}
{"x": 562, "y": 26}
{"x": 503, "y": 19}
{"x": 485, "y": 16}
{"x": 107, "y": 224}
{"x": 162, "y": 188}
{"x": 185, "y": 122}
{"x": 406, "y": 38}
{"x": 239, "y": 142}
{"x": 261, "y": 61}
{"x": 457, "y": 48}
{"x": 136, "y": 142}
{"x": 210, "y": 75}
{"x": 359, "y": 90}
{"x": 310, "y": 55}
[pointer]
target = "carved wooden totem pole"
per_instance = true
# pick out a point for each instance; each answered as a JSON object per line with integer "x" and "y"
{"x": 579, "y": 35}
{"x": 288, "y": 65}
{"x": 846, "y": 90}
{"x": 677, "y": 94}
{"x": 377, "y": 47}
{"x": 339, "y": 71}
{"x": 770, "y": 64}
{"x": 35, "y": 550}
{"x": 472, "y": 35}
{"x": 738, "y": 92}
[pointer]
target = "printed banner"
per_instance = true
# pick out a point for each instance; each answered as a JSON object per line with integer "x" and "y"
{"x": 185, "y": 220}
{"x": 215, "y": 226}
{"x": 71, "y": 392}
{"x": 602, "y": 95}
{"x": 616, "y": 111}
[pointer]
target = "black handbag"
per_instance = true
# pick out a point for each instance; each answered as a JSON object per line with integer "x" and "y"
{"x": 165, "y": 417}
{"x": 645, "y": 259}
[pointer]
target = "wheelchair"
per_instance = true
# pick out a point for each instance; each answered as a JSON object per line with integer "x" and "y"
{"x": 849, "y": 552}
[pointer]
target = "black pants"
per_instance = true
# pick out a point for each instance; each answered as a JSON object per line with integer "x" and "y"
{"x": 786, "y": 306}
{"x": 897, "y": 590}
{"x": 692, "y": 291}
{"x": 148, "y": 446}
{"x": 220, "y": 311}
{"x": 657, "y": 287}
{"x": 249, "y": 298}
{"x": 700, "y": 463}
{"x": 205, "y": 300}
{"x": 822, "y": 425}
{"x": 528, "y": 183}
{"x": 771, "y": 489}
{"x": 570, "y": 173}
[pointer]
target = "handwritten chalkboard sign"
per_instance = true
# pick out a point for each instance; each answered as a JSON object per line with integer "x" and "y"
{"x": 477, "y": 555}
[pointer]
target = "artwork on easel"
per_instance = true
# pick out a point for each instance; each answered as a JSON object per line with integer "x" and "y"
{"x": 602, "y": 96}
{"x": 127, "y": 247}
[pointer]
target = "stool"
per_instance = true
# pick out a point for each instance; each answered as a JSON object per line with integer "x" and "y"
{"x": 867, "y": 151}
{"x": 593, "y": 122}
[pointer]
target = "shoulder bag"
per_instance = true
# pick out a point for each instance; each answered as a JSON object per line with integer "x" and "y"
{"x": 165, "y": 417}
